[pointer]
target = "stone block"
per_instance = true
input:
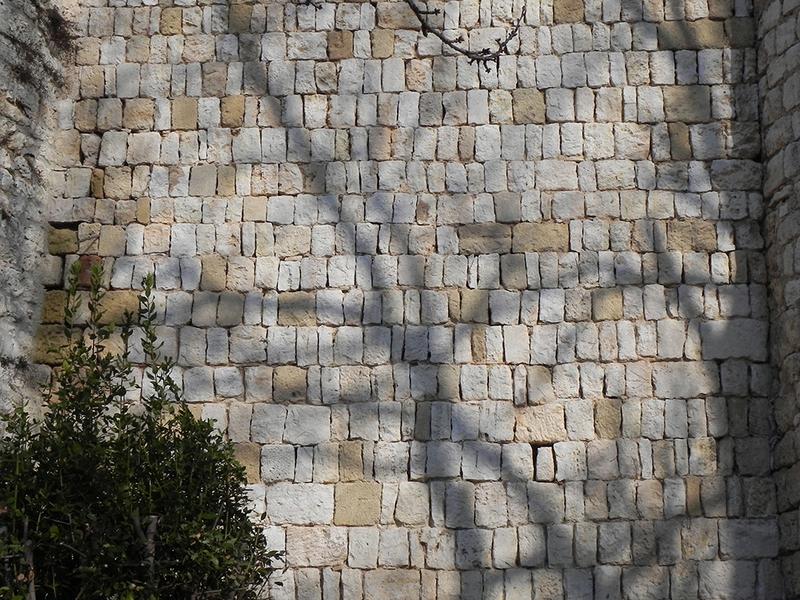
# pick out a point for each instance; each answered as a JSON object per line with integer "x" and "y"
{"x": 728, "y": 579}
{"x": 568, "y": 11}
{"x": 203, "y": 180}
{"x": 248, "y": 455}
{"x": 116, "y": 303}
{"x": 300, "y": 503}
{"x": 687, "y": 103}
{"x": 340, "y": 45}
{"x": 691, "y": 35}
{"x": 541, "y": 237}
{"x": 540, "y": 424}
{"x": 735, "y": 338}
{"x": 692, "y": 235}
{"x": 316, "y": 546}
{"x": 391, "y": 584}
{"x": 748, "y": 538}
{"x": 289, "y": 383}
{"x": 529, "y": 105}
{"x": 607, "y": 304}
{"x": 239, "y": 18}
{"x": 382, "y": 43}
{"x": 277, "y": 462}
{"x": 545, "y": 502}
{"x": 171, "y": 21}
{"x": 396, "y": 16}
{"x": 685, "y": 379}
{"x": 232, "y": 111}
{"x": 357, "y": 503}
{"x": 413, "y": 501}
{"x": 184, "y": 113}
{"x": 307, "y": 425}
{"x": 62, "y": 241}
{"x": 484, "y": 238}
{"x": 297, "y": 309}
{"x": 138, "y": 114}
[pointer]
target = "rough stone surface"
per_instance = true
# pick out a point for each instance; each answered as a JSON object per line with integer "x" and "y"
{"x": 476, "y": 334}
{"x": 30, "y": 71}
{"x": 779, "y": 78}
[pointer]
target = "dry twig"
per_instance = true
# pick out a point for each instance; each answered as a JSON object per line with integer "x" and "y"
{"x": 484, "y": 56}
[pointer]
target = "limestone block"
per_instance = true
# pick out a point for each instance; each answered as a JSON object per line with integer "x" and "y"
{"x": 307, "y": 424}
{"x": 296, "y": 308}
{"x": 277, "y": 463}
{"x": 316, "y": 546}
{"x": 687, "y": 103}
{"x": 734, "y": 338}
{"x": 382, "y": 43}
{"x": 358, "y": 503}
{"x": 685, "y": 379}
{"x": 541, "y": 237}
{"x": 184, "y": 113}
{"x": 391, "y": 584}
{"x": 340, "y": 45}
{"x": 300, "y": 503}
{"x": 540, "y": 424}
{"x": 248, "y": 455}
{"x": 568, "y": 11}
{"x": 232, "y": 111}
{"x": 171, "y": 21}
{"x": 692, "y": 235}
{"x": 607, "y": 304}
{"x": 691, "y": 35}
{"x": 545, "y": 502}
{"x": 412, "y": 507}
{"x": 729, "y": 578}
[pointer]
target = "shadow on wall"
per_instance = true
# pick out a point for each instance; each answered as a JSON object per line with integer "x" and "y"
{"x": 566, "y": 412}
{"x": 29, "y": 69}
{"x": 577, "y": 505}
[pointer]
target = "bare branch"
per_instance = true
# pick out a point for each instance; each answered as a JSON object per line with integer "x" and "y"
{"x": 484, "y": 56}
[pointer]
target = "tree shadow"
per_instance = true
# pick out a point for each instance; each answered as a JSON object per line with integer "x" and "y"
{"x": 521, "y": 388}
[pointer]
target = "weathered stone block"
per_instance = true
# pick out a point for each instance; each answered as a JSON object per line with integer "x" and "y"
{"x": 357, "y": 503}
{"x": 691, "y": 35}
{"x": 340, "y": 45}
{"x": 692, "y": 235}
{"x": 484, "y": 238}
{"x": 249, "y": 456}
{"x": 184, "y": 113}
{"x": 300, "y": 503}
{"x": 541, "y": 237}
{"x": 289, "y": 383}
{"x": 687, "y": 103}
{"x": 748, "y": 539}
{"x": 171, "y": 21}
{"x": 568, "y": 11}
{"x": 316, "y": 546}
{"x": 391, "y": 584}
{"x": 529, "y": 105}
{"x": 685, "y": 379}
{"x": 735, "y": 338}
{"x": 607, "y": 304}
{"x": 541, "y": 424}
{"x": 297, "y": 309}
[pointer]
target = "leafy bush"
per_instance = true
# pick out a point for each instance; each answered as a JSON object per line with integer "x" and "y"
{"x": 107, "y": 497}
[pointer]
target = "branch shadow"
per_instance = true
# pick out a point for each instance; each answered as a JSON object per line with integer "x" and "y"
{"x": 479, "y": 407}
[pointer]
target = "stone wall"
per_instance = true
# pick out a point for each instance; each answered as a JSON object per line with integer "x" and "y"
{"x": 28, "y": 72}
{"x": 779, "y": 60}
{"x": 474, "y": 332}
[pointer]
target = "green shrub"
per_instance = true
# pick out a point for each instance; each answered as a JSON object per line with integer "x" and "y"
{"x": 106, "y": 497}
